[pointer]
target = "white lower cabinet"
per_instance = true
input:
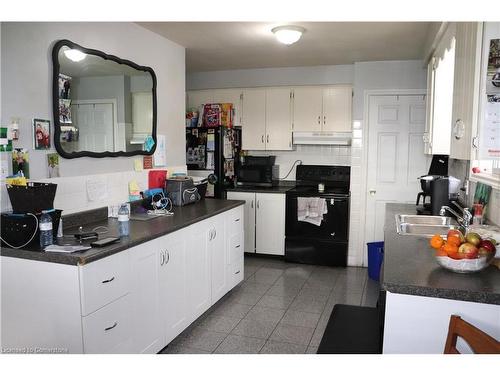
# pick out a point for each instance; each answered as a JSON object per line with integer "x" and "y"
{"x": 146, "y": 293}
{"x": 110, "y": 329}
{"x": 135, "y": 301}
{"x": 264, "y": 222}
{"x": 173, "y": 284}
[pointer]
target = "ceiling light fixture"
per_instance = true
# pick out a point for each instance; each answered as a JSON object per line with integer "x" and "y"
{"x": 75, "y": 55}
{"x": 288, "y": 34}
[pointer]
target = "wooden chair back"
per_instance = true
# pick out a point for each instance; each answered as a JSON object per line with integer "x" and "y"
{"x": 479, "y": 341}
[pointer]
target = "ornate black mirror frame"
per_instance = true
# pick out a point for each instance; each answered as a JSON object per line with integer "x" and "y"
{"x": 55, "y": 99}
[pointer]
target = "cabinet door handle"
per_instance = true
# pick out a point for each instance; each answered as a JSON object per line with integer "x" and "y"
{"x": 210, "y": 234}
{"x": 237, "y": 219}
{"x": 324, "y": 119}
{"x": 108, "y": 280}
{"x": 215, "y": 234}
{"x": 251, "y": 204}
{"x": 262, "y": 139}
{"x": 238, "y": 246}
{"x": 237, "y": 272}
{"x": 162, "y": 258}
{"x": 113, "y": 326}
{"x": 332, "y": 234}
{"x": 168, "y": 256}
{"x": 319, "y": 120}
{"x": 268, "y": 138}
{"x": 258, "y": 204}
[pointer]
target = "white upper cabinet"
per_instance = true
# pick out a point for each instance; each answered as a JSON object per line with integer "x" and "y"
{"x": 232, "y": 96}
{"x": 307, "y": 108}
{"x": 337, "y": 108}
{"x": 253, "y": 119}
{"x": 466, "y": 88}
{"x": 322, "y": 109}
{"x": 278, "y": 119}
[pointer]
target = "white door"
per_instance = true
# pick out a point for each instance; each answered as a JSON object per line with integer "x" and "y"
{"x": 395, "y": 156}
{"x": 307, "y": 108}
{"x": 278, "y": 119}
{"x": 232, "y": 96}
{"x": 217, "y": 251}
{"x": 198, "y": 97}
{"x": 198, "y": 270}
{"x": 270, "y": 224}
{"x": 253, "y": 120}
{"x": 249, "y": 208}
{"x": 173, "y": 284}
{"x": 95, "y": 123}
{"x": 149, "y": 336}
{"x": 337, "y": 107}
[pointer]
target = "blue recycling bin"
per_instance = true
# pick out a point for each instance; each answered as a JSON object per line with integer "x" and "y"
{"x": 375, "y": 258}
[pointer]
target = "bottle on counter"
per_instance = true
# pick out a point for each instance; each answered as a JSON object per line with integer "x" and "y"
{"x": 123, "y": 221}
{"x": 45, "y": 227}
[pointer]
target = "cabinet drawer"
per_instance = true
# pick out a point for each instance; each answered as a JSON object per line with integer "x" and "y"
{"x": 234, "y": 220}
{"x": 236, "y": 248}
{"x": 109, "y": 330}
{"x": 103, "y": 281}
{"x": 236, "y": 273}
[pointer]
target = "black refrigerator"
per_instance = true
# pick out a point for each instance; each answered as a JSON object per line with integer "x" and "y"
{"x": 213, "y": 151}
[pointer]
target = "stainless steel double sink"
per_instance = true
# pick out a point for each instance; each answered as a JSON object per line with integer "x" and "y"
{"x": 424, "y": 226}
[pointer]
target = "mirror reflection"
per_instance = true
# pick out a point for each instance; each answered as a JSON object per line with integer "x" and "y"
{"x": 103, "y": 105}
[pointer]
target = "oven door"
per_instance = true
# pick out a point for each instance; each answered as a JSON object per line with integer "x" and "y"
{"x": 335, "y": 223}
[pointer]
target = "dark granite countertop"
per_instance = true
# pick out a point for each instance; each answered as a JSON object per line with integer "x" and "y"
{"x": 279, "y": 189}
{"x": 140, "y": 232}
{"x": 410, "y": 268}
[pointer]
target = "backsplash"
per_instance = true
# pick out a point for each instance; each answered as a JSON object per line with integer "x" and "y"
{"x": 72, "y": 195}
{"x": 309, "y": 154}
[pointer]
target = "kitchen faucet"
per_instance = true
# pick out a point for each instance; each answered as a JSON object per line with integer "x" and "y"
{"x": 463, "y": 219}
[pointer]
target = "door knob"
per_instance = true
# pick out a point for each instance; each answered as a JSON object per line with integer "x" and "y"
{"x": 372, "y": 192}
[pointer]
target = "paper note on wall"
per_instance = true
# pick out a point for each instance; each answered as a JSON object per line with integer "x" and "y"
{"x": 97, "y": 188}
{"x": 160, "y": 155}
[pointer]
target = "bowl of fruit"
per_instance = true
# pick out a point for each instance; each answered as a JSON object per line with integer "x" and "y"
{"x": 463, "y": 253}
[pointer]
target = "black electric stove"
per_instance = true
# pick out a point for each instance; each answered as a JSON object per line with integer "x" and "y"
{"x": 327, "y": 243}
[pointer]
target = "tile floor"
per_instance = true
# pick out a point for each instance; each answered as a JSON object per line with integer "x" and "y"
{"x": 280, "y": 308}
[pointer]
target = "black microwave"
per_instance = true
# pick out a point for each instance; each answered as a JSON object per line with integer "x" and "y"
{"x": 257, "y": 175}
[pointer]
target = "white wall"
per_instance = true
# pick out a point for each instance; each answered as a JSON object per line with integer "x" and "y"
{"x": 26, "y": 68}
{"x": 302, "y": 75}
{"x": 378, "y": 75}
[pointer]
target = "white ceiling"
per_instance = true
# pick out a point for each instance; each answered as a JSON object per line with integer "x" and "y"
{"x": 244, "y": 45}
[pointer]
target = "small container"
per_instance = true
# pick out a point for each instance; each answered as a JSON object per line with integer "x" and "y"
{"x": 123, "y": 221}
{"x": 321, "y": 188}
{"x": 45, "y": 227}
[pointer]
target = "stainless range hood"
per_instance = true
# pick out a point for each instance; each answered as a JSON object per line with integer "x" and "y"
{"x": 322, "y": 138}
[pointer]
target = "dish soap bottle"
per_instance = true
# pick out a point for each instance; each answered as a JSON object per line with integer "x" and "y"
{"x": 45, "y": 227}
{"x": 123, "y": 221}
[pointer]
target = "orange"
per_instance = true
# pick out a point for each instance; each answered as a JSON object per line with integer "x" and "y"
{"x": 441, "y": 253}
{"x": 450, "y": 249}
{"x": 436, "y": 241}
{"x": 454, "y": 240}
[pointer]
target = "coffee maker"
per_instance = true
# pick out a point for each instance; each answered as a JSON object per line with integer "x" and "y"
{"x": 435, "y": 187}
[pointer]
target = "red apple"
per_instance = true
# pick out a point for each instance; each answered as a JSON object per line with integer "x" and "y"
{"x": 488, "y": 245}
{"x": 468, "y": 250}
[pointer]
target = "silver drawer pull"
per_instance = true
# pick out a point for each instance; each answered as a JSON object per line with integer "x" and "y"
{"x": 113, "y": 326}
{"x": 237, "y": 272}
{"x": 237, "y": 246}
{"x": 237, "y": 219}
{"x": 108, "y": 280}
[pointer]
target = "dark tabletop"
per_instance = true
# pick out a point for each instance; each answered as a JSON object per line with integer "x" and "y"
{"x": 410, "y": 268}
{"x": 140, "y": 232}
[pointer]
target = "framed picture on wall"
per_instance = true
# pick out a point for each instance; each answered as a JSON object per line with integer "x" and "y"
{"x": 41, "y": 134}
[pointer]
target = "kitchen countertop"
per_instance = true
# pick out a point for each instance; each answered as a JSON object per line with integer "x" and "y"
{"x": 140, "y": 232}
{"x": 410, "y": 268}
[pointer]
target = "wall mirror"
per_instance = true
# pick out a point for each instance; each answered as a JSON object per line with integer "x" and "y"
{"x": 103, "y": 105}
